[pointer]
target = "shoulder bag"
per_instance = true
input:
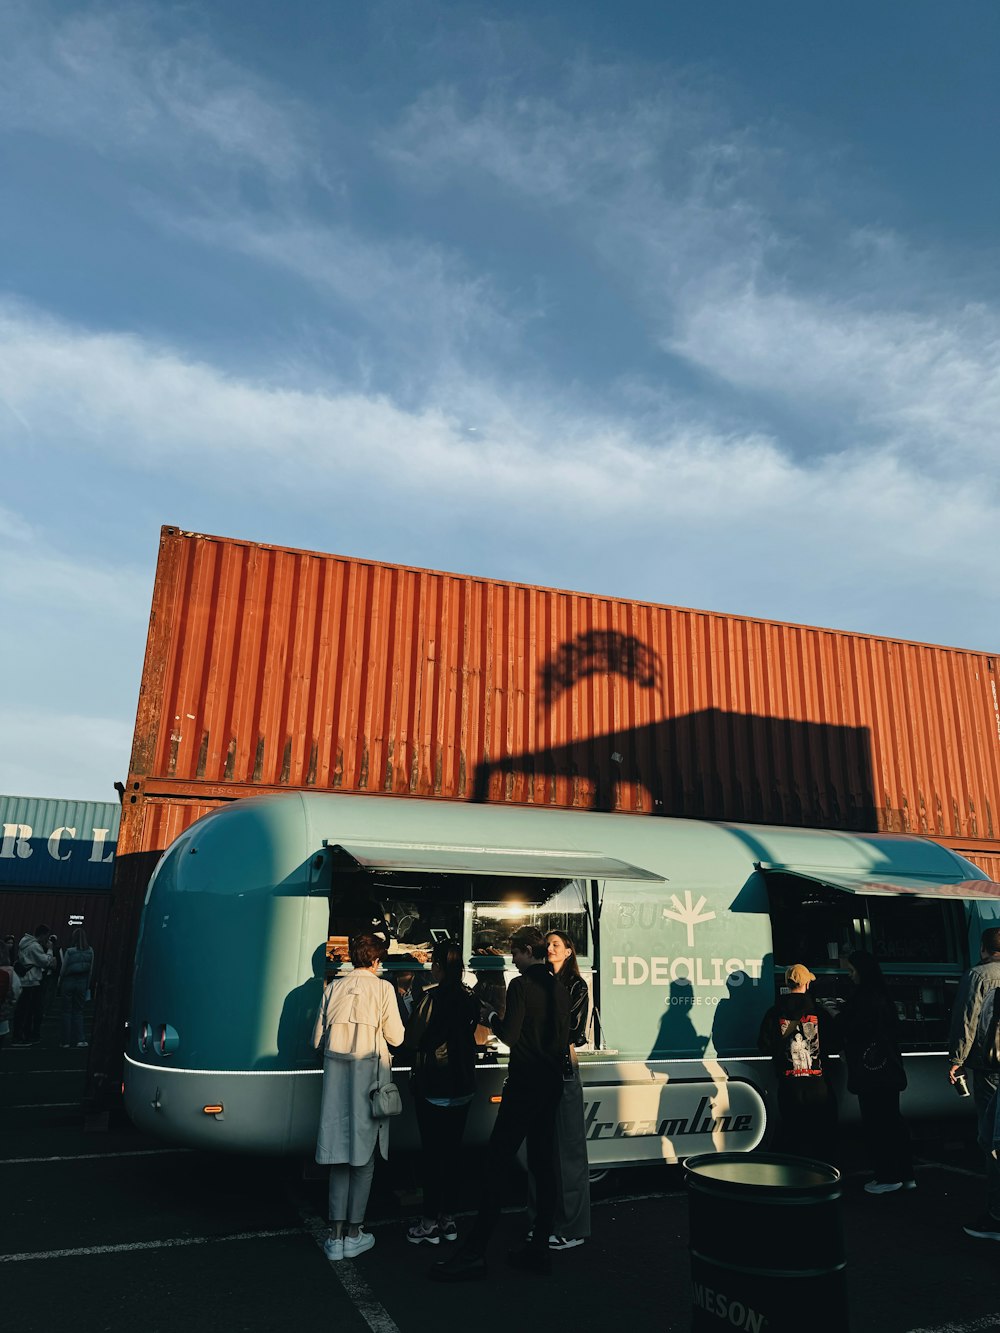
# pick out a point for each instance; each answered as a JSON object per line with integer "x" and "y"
{"x": 383, "y": 1098}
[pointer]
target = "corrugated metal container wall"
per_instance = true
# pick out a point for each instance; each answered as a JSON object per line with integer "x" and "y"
{"x": 986, "y": 855}
{"x": 46, "y": 844}
{"x": 61, "y": 912}
{"x": 271, "y": 669}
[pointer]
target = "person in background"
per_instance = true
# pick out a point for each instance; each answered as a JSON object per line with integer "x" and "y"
{"x": 440, "y": 1033}
{"x": 36, "y": 961}
{"x": 972, "y": 1026}
{"x": 10, "y": 992}
{"x": 536, "y": 1029}
{"x": 868, "y": 1029}
{"x": 358, "y": 1021}
{"x": 74, "y": 983}
{"x": 794, "y": 1034}
{"x": 572, "y": 1220}
{"x": 50, "y": 982}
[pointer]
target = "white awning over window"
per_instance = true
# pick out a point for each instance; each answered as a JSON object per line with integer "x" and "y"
{"x": 505, "y": 862}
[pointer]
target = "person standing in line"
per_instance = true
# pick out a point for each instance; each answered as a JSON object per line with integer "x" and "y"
{"x": 36, "y": 961}
{"x": 50, "y": 982}
{"x": 10, "y": 992}
{"x": 794, "y": 1034}
{"x": 868, "y": 1028}
{"x": 969, "y": 1045}
{"x": 572, "y": 1220}
{"x": 441, "y": 1034}
{"x": 535, "y": 1027}
{"x": 74, "y": 983}
{"x": 357, "y": 1022}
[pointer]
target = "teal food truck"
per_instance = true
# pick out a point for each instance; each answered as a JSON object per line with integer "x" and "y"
{"x": 684, "y": 929}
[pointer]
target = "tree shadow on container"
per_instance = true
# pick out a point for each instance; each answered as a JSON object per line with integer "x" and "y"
{"x": 742, "y": 767}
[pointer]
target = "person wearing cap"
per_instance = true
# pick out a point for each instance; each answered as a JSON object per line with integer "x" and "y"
{"x": 793, "y": 1033}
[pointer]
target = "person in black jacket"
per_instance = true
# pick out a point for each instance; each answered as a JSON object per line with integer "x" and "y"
{"x": 868, "y": 1027}
{"x": 535, "y": 1027}
{"x": 795, "y": 1033}
{"x": 440, "y": 1033}
{"x": 572, "y": 1220}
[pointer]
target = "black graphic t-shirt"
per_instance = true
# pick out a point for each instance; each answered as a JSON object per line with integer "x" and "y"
{"x": 792, "y": 1034}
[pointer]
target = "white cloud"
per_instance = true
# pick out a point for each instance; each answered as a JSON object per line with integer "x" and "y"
{"x": 782, "y": 537}
{"x": 426, "y": 302}
{"x": 926, "y": 384}
{"x": 108, "y": 79}
{"x": 871, "y": 355}
{"x": 13, "y": 528}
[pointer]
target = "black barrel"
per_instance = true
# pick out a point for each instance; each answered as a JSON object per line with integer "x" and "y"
{"x": 767, "y": 1244}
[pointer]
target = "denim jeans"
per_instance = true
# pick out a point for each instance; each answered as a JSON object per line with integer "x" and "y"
{"x": 984, "y": 1085}
{"x": 72, "y": 998}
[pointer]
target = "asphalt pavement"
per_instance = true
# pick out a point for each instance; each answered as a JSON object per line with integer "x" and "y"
{"x": 115, "y": 1231}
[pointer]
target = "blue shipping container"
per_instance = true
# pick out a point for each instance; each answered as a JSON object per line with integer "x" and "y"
{"x": 57, "y": 845}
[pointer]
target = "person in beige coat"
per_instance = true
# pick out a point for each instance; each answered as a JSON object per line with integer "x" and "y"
{"x": 357, "y": 1023}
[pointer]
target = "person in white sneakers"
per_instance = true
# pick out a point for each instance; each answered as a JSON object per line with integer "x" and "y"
{"x": 868, "y": 1027}
{"x": 357, "y": 1023}
{"x": 571, "y": 1226}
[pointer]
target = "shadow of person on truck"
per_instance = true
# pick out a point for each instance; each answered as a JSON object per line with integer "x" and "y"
{"x": 677, "y": 1035}
{"x": 738, "y": 1016}
{"x": 298, "y": 1017}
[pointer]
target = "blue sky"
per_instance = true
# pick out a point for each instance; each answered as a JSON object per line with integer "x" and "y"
{"x": 694, "y": 303}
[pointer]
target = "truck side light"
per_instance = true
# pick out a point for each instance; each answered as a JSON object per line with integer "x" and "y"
{"x": 213, "y": 1110}
{"x": 169, "y": 1040}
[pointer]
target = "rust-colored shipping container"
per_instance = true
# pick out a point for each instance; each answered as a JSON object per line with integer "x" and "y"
{"x": 270, "y": 669}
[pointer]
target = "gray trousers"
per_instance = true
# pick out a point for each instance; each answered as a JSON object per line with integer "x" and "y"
{"x": 572, "y": 1218}
{"x": 984, "y": 1085}
{"x": 349, "y": 1190}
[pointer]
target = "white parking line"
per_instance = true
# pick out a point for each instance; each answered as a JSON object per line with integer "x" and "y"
{"x": 93, "y": 1156}
{"x": 367, "y": 1304}
{"x": 39, "y": 1106}
{"x": 70, "y": 1069}
{"x": 88, "y": 1250}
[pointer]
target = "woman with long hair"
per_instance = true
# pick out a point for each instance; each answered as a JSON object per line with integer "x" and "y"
{"x": 441, "y": 1034}
{"x": 357, "y": 1023}
{"x": 572, "y": 1217}
{"x": 74, "y": 983}
{"x": 869, "y": 1033}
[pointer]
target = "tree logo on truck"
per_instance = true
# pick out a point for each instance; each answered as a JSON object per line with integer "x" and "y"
{"x": 689, "y": 913}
